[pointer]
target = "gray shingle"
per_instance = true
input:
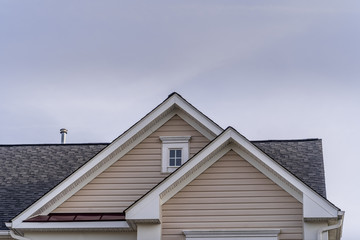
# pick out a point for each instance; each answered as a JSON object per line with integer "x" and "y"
{"x": 30, "y": 171}
{"x": 303, "y": 158}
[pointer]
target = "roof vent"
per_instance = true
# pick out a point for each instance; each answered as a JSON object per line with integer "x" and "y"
{"x": 63, "y": 133}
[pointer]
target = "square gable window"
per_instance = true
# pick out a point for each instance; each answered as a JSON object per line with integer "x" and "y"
{"x": 175, "y": 157}
{"x": 175, "y": 152}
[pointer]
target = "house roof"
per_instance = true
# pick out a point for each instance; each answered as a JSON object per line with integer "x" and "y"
{"x": 303, "y": 158}
{"x": 30, "y": 171}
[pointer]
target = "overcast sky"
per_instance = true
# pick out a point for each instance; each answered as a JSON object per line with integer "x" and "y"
{"x": 271, "y": 69}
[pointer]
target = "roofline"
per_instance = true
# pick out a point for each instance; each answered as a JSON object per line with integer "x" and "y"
{"x": 108, "y": 143}
{"x": 175, "y": 93}
{"x": 29, "y": 205}
{"x": 155, "y": 108}
{"x": 108, "y": 153}
{"x": 289, "y": 177}
{"x": 308, "y": 139}
{"x": 172, "y": 173}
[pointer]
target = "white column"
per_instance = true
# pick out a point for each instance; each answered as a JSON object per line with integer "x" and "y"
{"x": 148, "y": 231}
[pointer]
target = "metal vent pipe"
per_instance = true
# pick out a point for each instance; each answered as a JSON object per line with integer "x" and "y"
{"x": 63, "y": 133}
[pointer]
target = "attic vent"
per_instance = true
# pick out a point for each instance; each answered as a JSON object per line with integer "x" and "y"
{"x": 63, "y": 133}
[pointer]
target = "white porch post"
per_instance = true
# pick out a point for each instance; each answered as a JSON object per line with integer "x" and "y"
{"x": 148, "y": 231}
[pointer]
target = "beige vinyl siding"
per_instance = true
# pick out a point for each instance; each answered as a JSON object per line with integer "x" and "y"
{"x": 131, "y": 176}
{"x": 232, "y": 194}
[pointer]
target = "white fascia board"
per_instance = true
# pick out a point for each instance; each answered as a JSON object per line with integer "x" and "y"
{"x": 80, "y": 174}
{"x": 200, "y": 117}
{"x": 313, "y": 208}
{"x": 268, "y": 172}
{"x": 146, "y": 208}
{"x": 149, "y": 207}
{"x": 58, "y": 226}
{"x": 94, "y": 161}
{"x": 311, "y": 199}
{"x": 174, "y": 188}
{"x": 195, "y": 124}
{"x": 312, "y": 202}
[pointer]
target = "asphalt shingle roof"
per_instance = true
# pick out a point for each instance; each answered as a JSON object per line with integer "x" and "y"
{"x": 303, "y": 158}
{"x": 30, "y": 171}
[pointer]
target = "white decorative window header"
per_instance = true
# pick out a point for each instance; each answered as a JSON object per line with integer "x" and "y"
{"x": 175, "y": 152}
{"x": 243, "y": 234}
{"x": 175, "y": 139}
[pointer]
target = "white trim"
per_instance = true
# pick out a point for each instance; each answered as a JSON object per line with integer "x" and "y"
{"x": 337, "y": 226}
{"x": 147, "y": 231}
{"x": 17, "y": 237}
{"x": 229, "y": 145}
{"x": 173, "y": 142}
{"x": 174, "y": 104}
{"x": 236, "y": 234}
{"x": 63, "y": 226}
{"x": 309, "y": 195}
{"x": 313, "y": 204}
{"x": 170, "y": 191}
{"x": 196, "y": 114}
{"x": 4, "y": 234}
{"x": 268, "y": 172}
{"x": 96, "y": 165}
{"x": 197, "y": 125}
{"x": 175, "y": 139}
{"x": 142, "y": 210}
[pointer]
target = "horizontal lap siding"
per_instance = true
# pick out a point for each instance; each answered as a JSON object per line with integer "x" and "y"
{"x": 232, "y": 194}
{"x": 131, "y": 176}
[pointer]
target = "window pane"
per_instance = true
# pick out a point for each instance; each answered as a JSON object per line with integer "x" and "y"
{"x": 172, "y": 162}
{"x": 175, "y": 157}
{"x": 172, "y": 153}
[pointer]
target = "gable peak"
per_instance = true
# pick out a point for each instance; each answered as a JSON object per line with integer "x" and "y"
{"x": 174, "y": 93}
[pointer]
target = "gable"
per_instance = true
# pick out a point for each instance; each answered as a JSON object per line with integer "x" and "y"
{"x": 125, "y": 177}
{"x": 132, "y": 175}
{"x": 232, "y": 194}
{"x": 314, "y": 206}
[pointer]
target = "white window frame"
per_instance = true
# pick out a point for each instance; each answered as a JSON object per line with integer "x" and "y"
{"x": 176, "y": 157}
{"x": 227, "y": 234}
{"x": 173, "y": 142}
